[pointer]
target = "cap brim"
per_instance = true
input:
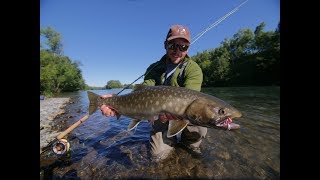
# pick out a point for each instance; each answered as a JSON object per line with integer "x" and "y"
{"x": 175, "y": 37}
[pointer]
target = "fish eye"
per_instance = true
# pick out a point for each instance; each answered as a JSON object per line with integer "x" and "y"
{"x": 221, "y": 111}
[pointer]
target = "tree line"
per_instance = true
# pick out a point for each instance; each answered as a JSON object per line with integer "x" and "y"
{"x": 248, "y": 58}
{"x": 112, "y": 84}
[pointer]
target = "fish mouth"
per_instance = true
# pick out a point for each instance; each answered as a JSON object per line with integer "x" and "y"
{"x": 227, "y": 124}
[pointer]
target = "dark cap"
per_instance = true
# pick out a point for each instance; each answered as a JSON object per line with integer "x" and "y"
{"x": 178, "y": 31}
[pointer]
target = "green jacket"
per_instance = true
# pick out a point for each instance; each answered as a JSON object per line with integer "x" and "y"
{"x": 191, "y": 77}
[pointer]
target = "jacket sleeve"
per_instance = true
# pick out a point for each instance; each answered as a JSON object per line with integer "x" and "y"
{"x": 193, "y": 77}
{"x": 149, "y": 82}
{"x": 150, "y": 77}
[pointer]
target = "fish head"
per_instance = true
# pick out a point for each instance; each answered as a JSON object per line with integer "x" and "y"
{"x": 212, "y": 114}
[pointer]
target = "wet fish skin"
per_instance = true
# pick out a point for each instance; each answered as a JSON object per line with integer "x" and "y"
{"x": 186, "y": 106}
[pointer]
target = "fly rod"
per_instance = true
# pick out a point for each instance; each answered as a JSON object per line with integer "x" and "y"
{"x": 61, "y": 146}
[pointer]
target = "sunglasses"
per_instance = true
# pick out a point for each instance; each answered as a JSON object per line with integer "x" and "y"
{"x": 174, "y": 46}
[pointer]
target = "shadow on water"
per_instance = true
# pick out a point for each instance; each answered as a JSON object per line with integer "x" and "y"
{"x": 102, "y": 148}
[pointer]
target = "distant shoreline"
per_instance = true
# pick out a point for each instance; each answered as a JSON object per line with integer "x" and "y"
{"x": 50, "y": 108}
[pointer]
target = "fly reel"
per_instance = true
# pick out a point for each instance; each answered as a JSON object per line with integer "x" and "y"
{"x": 61, "y": 146}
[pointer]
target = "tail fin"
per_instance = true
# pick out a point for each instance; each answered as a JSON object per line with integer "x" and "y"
{"x": 93, "y": 102}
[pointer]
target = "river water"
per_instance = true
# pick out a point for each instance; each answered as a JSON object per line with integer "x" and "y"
{"x": 102, "y": 148}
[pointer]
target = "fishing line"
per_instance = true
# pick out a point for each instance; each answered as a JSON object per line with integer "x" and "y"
{"x": 216, "y": 23}
{"x": 198, "y": 36}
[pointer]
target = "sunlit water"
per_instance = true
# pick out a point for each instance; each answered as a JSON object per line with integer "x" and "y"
{"x": 102, "y": 148}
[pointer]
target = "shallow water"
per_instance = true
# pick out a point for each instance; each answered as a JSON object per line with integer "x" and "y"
{"x": 101, "y": 148}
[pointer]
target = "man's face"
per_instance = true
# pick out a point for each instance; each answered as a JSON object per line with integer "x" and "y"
{"x": 177, "y": 49}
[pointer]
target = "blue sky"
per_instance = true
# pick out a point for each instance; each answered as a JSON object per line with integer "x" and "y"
{"x": 119, "y": 39}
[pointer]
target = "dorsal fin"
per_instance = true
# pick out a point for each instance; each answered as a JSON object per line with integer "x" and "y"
{"x": 139, "y": 87}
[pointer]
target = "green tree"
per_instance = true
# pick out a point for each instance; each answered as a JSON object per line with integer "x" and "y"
{"x": 54, "y": 40}
{"x": 131, "y": 86}
{"x": 203, "y": 59}
{"x": 219, "y": 67}
{"x": 57, "y": 72}
{"x": 267, "y": 55}
{"x": 113, "y": 84}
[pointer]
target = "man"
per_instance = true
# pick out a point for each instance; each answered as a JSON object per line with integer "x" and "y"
{"x": 175, "y": 68}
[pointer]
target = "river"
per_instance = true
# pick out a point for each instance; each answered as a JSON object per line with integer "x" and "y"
{"x": 101, "y": 148}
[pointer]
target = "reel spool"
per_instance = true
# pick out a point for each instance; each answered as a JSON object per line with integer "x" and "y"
{"x": 61, "y": 146}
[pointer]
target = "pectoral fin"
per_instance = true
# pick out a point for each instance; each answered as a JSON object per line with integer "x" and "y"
{"x": 133, "y": 124}
{"x": 176, "y": 126}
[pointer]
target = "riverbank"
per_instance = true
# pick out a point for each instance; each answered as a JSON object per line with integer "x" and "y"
{"x": 50, "y": 108}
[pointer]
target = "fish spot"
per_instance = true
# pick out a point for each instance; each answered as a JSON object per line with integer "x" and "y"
{"x": 176, "y": 109}
{"x": 170, "y": 104}
{"x": 164, "y": 106}
{"x": 152, "y": 108}
{"x": 157, "y": 102}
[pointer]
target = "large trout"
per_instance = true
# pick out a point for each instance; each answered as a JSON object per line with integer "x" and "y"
{"x": 185, "y": 106}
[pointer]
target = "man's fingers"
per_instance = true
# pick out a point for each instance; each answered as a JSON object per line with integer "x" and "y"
{"x": 105, "y": 110}
{"x": 106, "y": 95}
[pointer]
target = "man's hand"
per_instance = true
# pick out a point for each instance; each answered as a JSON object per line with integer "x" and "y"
{"x": 163, "y": 117}
{"x": 105, "y": 110}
